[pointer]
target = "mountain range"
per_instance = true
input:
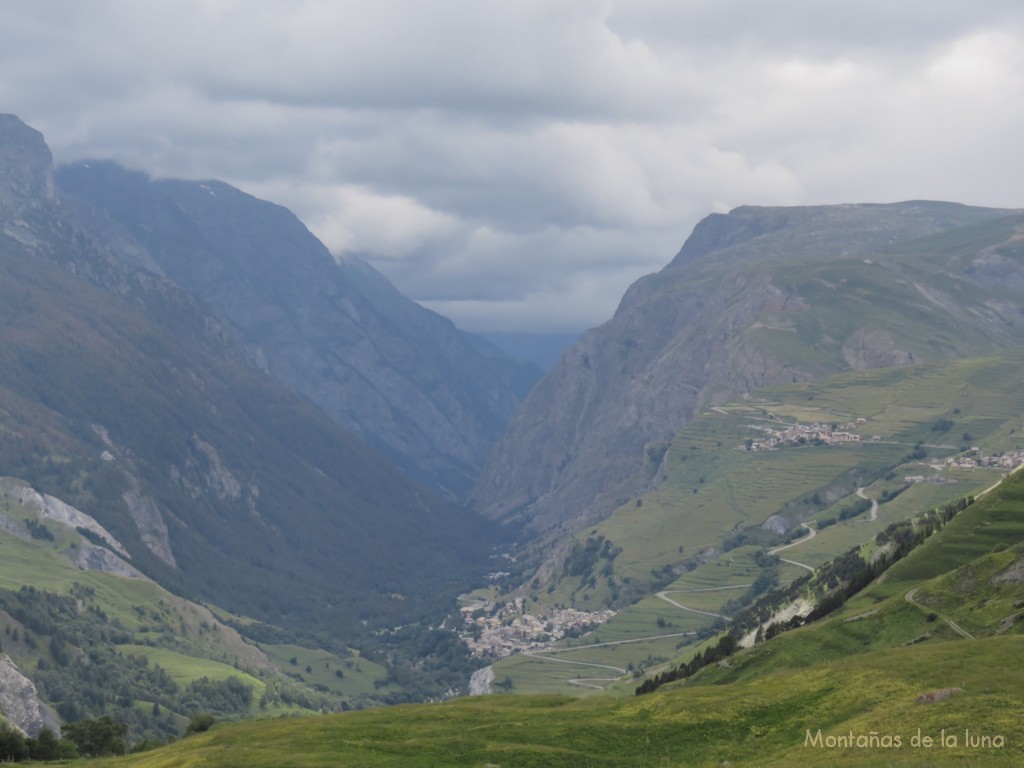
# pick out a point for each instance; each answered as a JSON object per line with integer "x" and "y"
{"x": 138, "y": 384}
{"x": 429, "y": 397}
{"x": 207, "y": 401}
{"x": 756, "y": 297}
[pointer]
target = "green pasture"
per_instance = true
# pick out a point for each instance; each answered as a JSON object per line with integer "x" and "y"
{"x": 985, "y": 597}
{"x": 714, "y": 491}
{"x": 184, "y": 669}
{"x": 763, "y": 721}
{"x": 357, "y": 673}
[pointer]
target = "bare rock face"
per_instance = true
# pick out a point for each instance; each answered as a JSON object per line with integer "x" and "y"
{"x": 26, "y": 166}
{"x": 26, "y": 180}
{"x": 873, "y": 348}
{"x": 150, "y": 524}
{"x": 19, "y": 700}
{"x": 431, "y": 398}
{"x": 89, "y": 557}
{"x": 758, "y": 297}
{"x": 50, "y": 508}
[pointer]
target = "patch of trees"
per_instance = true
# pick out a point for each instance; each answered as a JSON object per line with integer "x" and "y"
{"x": 858, "y": 507}
{"x": 891, "y": 494}
{"x": 16, "y": 748}
{"x": 98, "y": 737}
{"x": 424, "y": 662}
{"x": 766, "y": 580}
{"x": 726, "y": 646}
{"x": 81, "y": 672}
{"x": 37, "y": 530}
{"x": 917, "y": 454}
{"x": 93, "y": 537}
{"x": 585, "y": 556}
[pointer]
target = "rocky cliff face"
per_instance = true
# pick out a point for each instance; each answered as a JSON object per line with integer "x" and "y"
{"x": 431, "y": 398}
{"x": 756, "y": 297}
{"x": 26, "y": 166}
{"x": 19, "y": 701}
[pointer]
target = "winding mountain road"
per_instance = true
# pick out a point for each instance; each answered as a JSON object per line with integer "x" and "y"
{"x": 592, "y": 682}
{"x": 874, "y": 504}
{"x": 663, "y": 596}
{"x": 910, "y": 599}
{"x": 811, "y": 533}
{"x": 596, "y": 682}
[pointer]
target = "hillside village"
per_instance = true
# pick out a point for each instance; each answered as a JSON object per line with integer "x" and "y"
{"x": 832, "y": 434}
{"x": 499, "y": 629}
{"x": 801, "y": 434}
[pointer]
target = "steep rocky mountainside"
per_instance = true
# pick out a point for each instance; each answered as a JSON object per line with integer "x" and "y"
{"x": 431, "y": 398}
{"x": 757, "y": 297}
{"x": 121, "y": 394}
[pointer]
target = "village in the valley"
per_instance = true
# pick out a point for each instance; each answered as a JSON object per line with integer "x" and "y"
{"x": 499, "y": 629}
{"x": 832, "y": 434}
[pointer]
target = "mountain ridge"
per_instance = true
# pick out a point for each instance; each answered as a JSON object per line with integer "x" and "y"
{"x": 428, "y": 396}
{"x": 124, "y": 396}
{"x": 752, "y": 299}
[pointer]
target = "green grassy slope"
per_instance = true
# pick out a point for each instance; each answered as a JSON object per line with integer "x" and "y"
{"x": 58, "y": 621}
{"x": 969, "y": 572}
{"x": 764, "y": 722}
{"x": 852, "y": 676}
{"x": 696, "y": 535}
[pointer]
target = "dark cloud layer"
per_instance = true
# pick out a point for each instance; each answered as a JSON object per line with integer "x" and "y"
{"x": 516, "y": 165}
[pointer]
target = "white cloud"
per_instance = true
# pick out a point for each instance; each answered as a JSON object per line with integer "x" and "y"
{"x": 517, "y": 164}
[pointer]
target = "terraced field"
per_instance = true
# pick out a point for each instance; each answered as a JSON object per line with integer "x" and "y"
{"x": 695, "y": 538}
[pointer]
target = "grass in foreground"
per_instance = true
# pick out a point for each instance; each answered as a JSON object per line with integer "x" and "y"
{"x": 760, "y": 722}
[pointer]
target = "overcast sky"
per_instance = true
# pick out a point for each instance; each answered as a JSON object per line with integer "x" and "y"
{"x": 515, "y": 165}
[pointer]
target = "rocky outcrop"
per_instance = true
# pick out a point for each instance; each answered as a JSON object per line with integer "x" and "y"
{"x": 50, "y": 508}
{"x": 758, "y": 297}
{"x": 150, "y": 524}
{"x": 84, "y": 554}
{"x": 26, "y": 171}
{"x": 19, "y": 700}
{"x": 89, "y": 557}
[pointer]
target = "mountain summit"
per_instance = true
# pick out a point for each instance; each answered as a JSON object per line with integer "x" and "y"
{"x": 26, "y": 166}
{"x": 757, "y": 297}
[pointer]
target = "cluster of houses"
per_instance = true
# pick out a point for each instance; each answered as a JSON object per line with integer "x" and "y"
{"x": 971, "y": 460}
{"x": 496, "y": 630}
{"x": 799, "y": 434}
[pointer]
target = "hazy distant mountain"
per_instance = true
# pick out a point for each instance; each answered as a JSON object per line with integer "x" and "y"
{"x": 756, "y": 297}
{"x": 121, "y": 394}
{"x": 432, "y": 398}
{"x": 541, "y": 349}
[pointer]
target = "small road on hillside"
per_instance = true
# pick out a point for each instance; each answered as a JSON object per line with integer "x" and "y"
{"x": 910, "y": 599}
{"x": 585, "y": 682}
{"x": 874, "y": 505}
{"x": 592, "y": 682}
{"x": 811, "y": 533}
{"x": 536, "y": 654}
{"x": 910, "y": 594}
{"x": 664, "y": 596}
{"x": 995, "y": 485}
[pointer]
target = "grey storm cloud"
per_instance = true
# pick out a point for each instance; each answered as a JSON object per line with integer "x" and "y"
{"x": 515, "y": 165}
